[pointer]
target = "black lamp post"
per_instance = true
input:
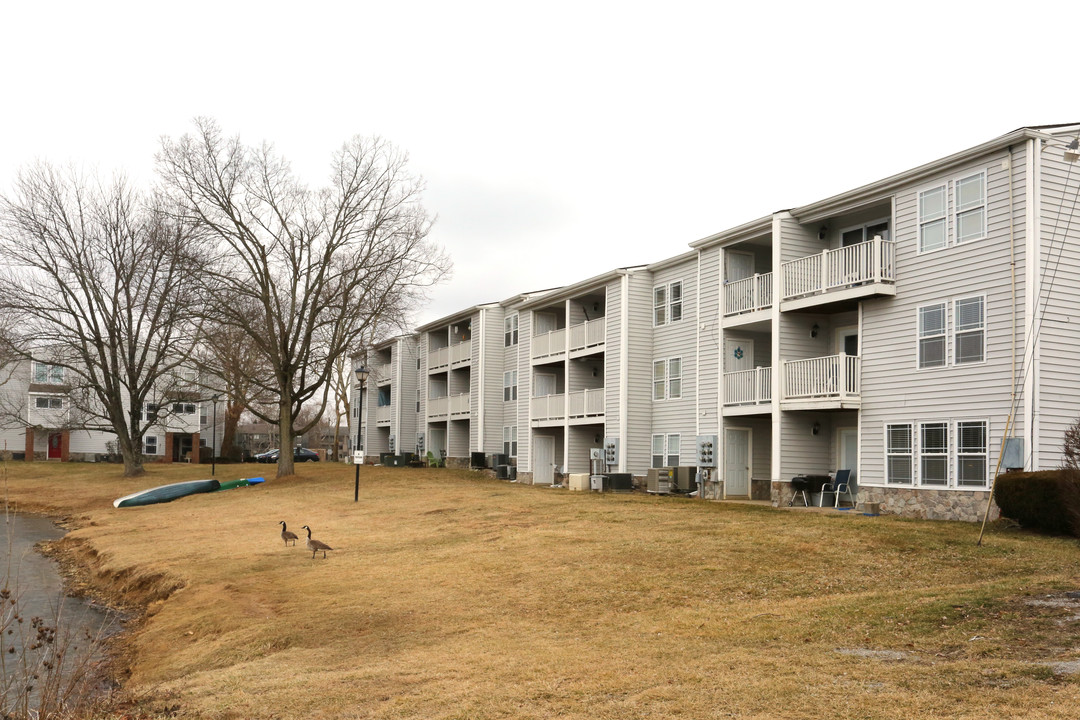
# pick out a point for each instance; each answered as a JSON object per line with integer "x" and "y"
{"x": 213, "y": 442}
{"x": 361, "y": 376}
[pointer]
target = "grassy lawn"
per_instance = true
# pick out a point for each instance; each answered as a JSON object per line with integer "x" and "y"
{"x": 453, "y": 596}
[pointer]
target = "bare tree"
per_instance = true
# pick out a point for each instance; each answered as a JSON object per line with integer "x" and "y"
{"x": 303, "y": 273}
{"x": 99, "y": 282}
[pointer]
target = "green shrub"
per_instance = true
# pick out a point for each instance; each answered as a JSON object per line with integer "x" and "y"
{"x": 1047, "y": 501}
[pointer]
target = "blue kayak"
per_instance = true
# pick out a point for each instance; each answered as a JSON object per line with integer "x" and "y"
{"x": 165, "y": 493}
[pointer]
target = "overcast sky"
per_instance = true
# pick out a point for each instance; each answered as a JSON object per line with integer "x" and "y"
{"x": 558, "y": 140}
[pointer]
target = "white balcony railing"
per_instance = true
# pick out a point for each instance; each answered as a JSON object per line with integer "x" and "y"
{"x": 460, "y": 353}
{"x": 382, "y": 413}
{"x": 589, "y": 334}
{"x": 438, "y": 358}
{"x": 748, "y": 294}
{"x": 549, "y": 343}
{"x": 834, "y": 376}
{"x": 872, "y": 261}
{"x": 748, "y": 387}
{"x": 448, "y": 406}
{"x": 586, "y": 403}
{"x": 548, "y": 407}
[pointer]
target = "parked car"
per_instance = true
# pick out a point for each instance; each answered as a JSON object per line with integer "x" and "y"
{"x": 299, "y": 455}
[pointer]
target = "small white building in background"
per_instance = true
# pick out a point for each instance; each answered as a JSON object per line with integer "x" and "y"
{"x": 896, "y": 330}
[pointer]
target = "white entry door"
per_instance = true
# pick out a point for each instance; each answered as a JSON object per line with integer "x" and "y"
{"x": 737, "y": 462}
{"x": 543, "y": 460}
{"x": 848, "y": 452}
{"x": 738, "y": 354}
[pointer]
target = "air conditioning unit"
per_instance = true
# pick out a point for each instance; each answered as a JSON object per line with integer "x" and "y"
{"x": 502, "y": 472}
{"x": 659, "y": 481}
{"x": 619, "y": 482}
{"x": 685, "y": 478}
{"x": 478, "y": 460}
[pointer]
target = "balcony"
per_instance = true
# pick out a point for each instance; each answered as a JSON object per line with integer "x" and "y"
{"x": 588, "y": 337}
{"x": 748, "y": 295}
{"x": 548, "y": 409}
{"x": 549, "y": 345}
{"x": 382, "y": 415}
{"x": 586, "y": 404}
{"x": 452, "y": 356}
{"x": 448, "y": 406}
{"x": 822, "y": 383}
{"x": 746, "y": 392}
{"x": 847, "y": 273}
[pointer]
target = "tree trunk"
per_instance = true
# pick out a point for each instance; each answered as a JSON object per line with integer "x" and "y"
{"x": 133, "y": 465}
{"x": 233, "y": 411}
{"x": 337, "y": 439}
{"x": 285, "y": 446}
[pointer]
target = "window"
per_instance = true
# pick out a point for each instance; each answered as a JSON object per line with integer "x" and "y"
{"x": 934, "y": 453}
{"x": 150, "y": 445}
{"x": 49, "y": 403}
{"x": 970, "y": 333}
{"x": 418, "y": 400}
{"x": 384, "y": 396}
{"x": 48, "y": 374}
{"x": 971, "y": 208}
{"x": 184, "y": 408}
{"x": 510, "y": 331}
{"x": 667, "y": 303}
{"x": 932, "y": 204}
{"x": 864, "y": 233}
{"x": 932, "y": 336}
{"x": 510, "y": 440}
{"x": 898, "y": 454}
{"x": 665, "y": 450}
{"x": 151, "y": 413}
{"x": 971, "y": 454}
{"x": 510, "y": 385}
{"x": 667, "y": 379}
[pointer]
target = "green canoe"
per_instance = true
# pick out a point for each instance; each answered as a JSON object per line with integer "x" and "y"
{"x": 165, "y": 493}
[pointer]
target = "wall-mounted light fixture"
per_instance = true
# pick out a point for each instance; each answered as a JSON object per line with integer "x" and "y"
{"x": 815, "y": 429}
{"x": 1072, "y": 150}
{"x": 822, "y": 233}
{"x": 814, "y": 330}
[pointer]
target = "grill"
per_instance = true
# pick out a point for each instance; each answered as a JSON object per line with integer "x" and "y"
{"x": 803, "y": 484}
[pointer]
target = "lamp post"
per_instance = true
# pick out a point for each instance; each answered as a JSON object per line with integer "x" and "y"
{"x": 361, "y": 376}
{"x": 213, "y": 442}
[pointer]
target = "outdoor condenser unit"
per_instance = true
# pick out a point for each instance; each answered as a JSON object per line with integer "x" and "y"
{"x": 685, "y": 480}
{"x": 502, "y": 472}
{"x": 658, "y": 481}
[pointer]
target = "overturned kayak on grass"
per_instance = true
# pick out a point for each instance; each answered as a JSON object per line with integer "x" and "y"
{"x": 165, "y": 493}
{"x": 242, "y": 482}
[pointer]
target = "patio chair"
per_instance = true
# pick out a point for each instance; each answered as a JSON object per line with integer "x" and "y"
{"x": 839, "y": 485}
{"x": 431, "y": 461}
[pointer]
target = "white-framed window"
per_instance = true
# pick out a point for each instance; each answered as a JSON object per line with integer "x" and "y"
{"x": 510, "y": 331}
{"x": 969, "y": 334}
{"x": 665, "y": 450}
{"x": 934, "y": 453}
{"x": 667, "y": 303}
{"x": 932, "y": 336}
{"x": 864, "y": 233}
{"x": 667, "y": 378}
{"x": 933, "y": 204}
{"x": 971, "y": 453}
{"x": 971, "y": 208}
{"x": 183, "y": 408}
{"x": 48, "y": 403}
{"x": 510, "y": 440}
{"x": 510, "y": 385}
{"x": 150, "y": 445}
{"x": 150, "y": 413}
{"x": 899, "y": 451}
{"x": 45, "y": 374}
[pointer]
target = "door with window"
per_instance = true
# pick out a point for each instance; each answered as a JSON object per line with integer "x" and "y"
{"x": 55, "y": 441}
{"x": 737, "y": 462}
{"x": 543, "y": 460}
{"x": 848, "y": 452}
{"x": 847, "y": 341}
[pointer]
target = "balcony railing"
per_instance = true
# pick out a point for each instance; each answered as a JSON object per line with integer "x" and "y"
{"x": 460, "y": 353}
{"x": 382, "y": 413}
{"x": 448, "y": 406}
{"x": 748, "y": 387}
{"x": 549, "y": 343}
{"x": 548, "y": 407}
{"x": 748, "y": 294}
{"x": 589, "y": 334}
{"x": 586, "y": 403}
{"x": 438, "y": 358}
{"x": 872, "y": 261}
{"x": 834, "y": 376}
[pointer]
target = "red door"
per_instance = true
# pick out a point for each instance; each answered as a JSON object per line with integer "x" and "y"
{"x": 54, "y": 446}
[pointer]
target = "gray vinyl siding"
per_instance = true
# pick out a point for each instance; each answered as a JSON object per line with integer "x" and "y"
{"x": 639, "y": 373}
{"x": 797, "y": 241}
{"x": 616, "y": 317}
{"x": 804, "y": 452}
{"x": 405, "y": 402}
{"x": 1059, "y": 380}
{"x": 678, "y": 339}
{"x": 893, "y": 388}
{"x": 525, "y": 333}
{"x": 760, "y": 444}
{"x": 709, "y": 344}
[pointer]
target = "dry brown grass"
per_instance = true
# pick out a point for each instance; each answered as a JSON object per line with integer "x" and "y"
{"x": 449, "y": 596}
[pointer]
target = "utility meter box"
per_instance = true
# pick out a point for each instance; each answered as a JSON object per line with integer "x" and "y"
{"x": 611, "y": 450}
{"x": 706, "y": 450}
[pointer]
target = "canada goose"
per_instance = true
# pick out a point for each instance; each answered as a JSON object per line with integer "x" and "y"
{"x": 286, "y": 535}
{"x": 316, "y": 545}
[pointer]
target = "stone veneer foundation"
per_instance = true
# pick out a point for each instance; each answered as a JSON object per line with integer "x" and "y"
{"x": 922, "y": 503}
